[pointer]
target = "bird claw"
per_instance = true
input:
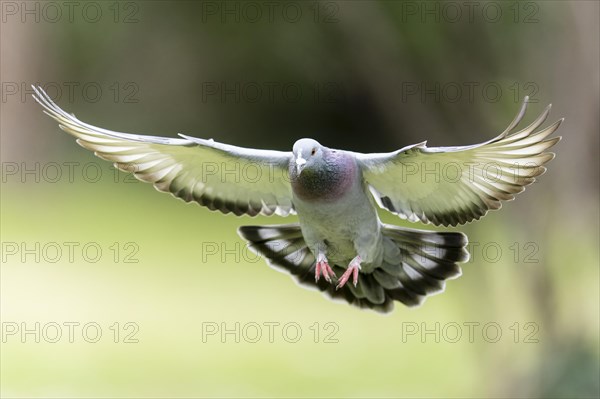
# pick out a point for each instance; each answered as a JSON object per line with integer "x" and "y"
{"x": 353, "y": 269}
{"x": 323, "y": 268}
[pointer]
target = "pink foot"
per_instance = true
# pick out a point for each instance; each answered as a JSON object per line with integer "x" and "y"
{"x": 322, "y": 268}
{"x": 352, "y": 270}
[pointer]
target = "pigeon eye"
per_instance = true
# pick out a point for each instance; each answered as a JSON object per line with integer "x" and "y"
{"x": 313, "y": 152}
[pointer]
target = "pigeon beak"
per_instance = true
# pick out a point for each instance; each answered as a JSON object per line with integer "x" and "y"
{"x": 300, "y": 163}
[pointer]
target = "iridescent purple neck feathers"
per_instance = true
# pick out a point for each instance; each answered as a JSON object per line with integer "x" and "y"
{"x": 326, "y": 179}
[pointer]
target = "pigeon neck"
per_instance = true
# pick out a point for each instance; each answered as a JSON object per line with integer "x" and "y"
{"x": 327, "y": 181}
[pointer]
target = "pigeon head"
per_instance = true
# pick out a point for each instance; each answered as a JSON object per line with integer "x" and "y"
{"x": 308, "y": 154}
{"x": 320, "y": 173}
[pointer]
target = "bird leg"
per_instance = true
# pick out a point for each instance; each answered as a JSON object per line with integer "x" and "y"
{"x": 352, "y": 270}
{"x": 323, "y": 268}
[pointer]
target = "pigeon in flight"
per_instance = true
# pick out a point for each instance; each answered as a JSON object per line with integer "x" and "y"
{"x": 339, "y": 245}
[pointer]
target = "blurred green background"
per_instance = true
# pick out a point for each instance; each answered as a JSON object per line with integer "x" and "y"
{"x": 359, "y": 75}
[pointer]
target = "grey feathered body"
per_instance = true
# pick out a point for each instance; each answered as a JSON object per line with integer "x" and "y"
{"x": 337, "y": 215}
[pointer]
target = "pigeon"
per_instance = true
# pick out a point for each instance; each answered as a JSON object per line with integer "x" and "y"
{"x": 339, "y": 245}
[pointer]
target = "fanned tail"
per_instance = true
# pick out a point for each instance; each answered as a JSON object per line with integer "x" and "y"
{"x": 416, "y": 264}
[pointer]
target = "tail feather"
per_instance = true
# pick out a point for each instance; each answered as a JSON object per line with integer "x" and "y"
{"x": 426, "y": 260}
{"x": 416, "y": 264}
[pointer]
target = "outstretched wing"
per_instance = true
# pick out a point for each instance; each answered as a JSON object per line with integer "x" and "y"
{"x": 219, "y": 176}
{"x": 455, "y": 185}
